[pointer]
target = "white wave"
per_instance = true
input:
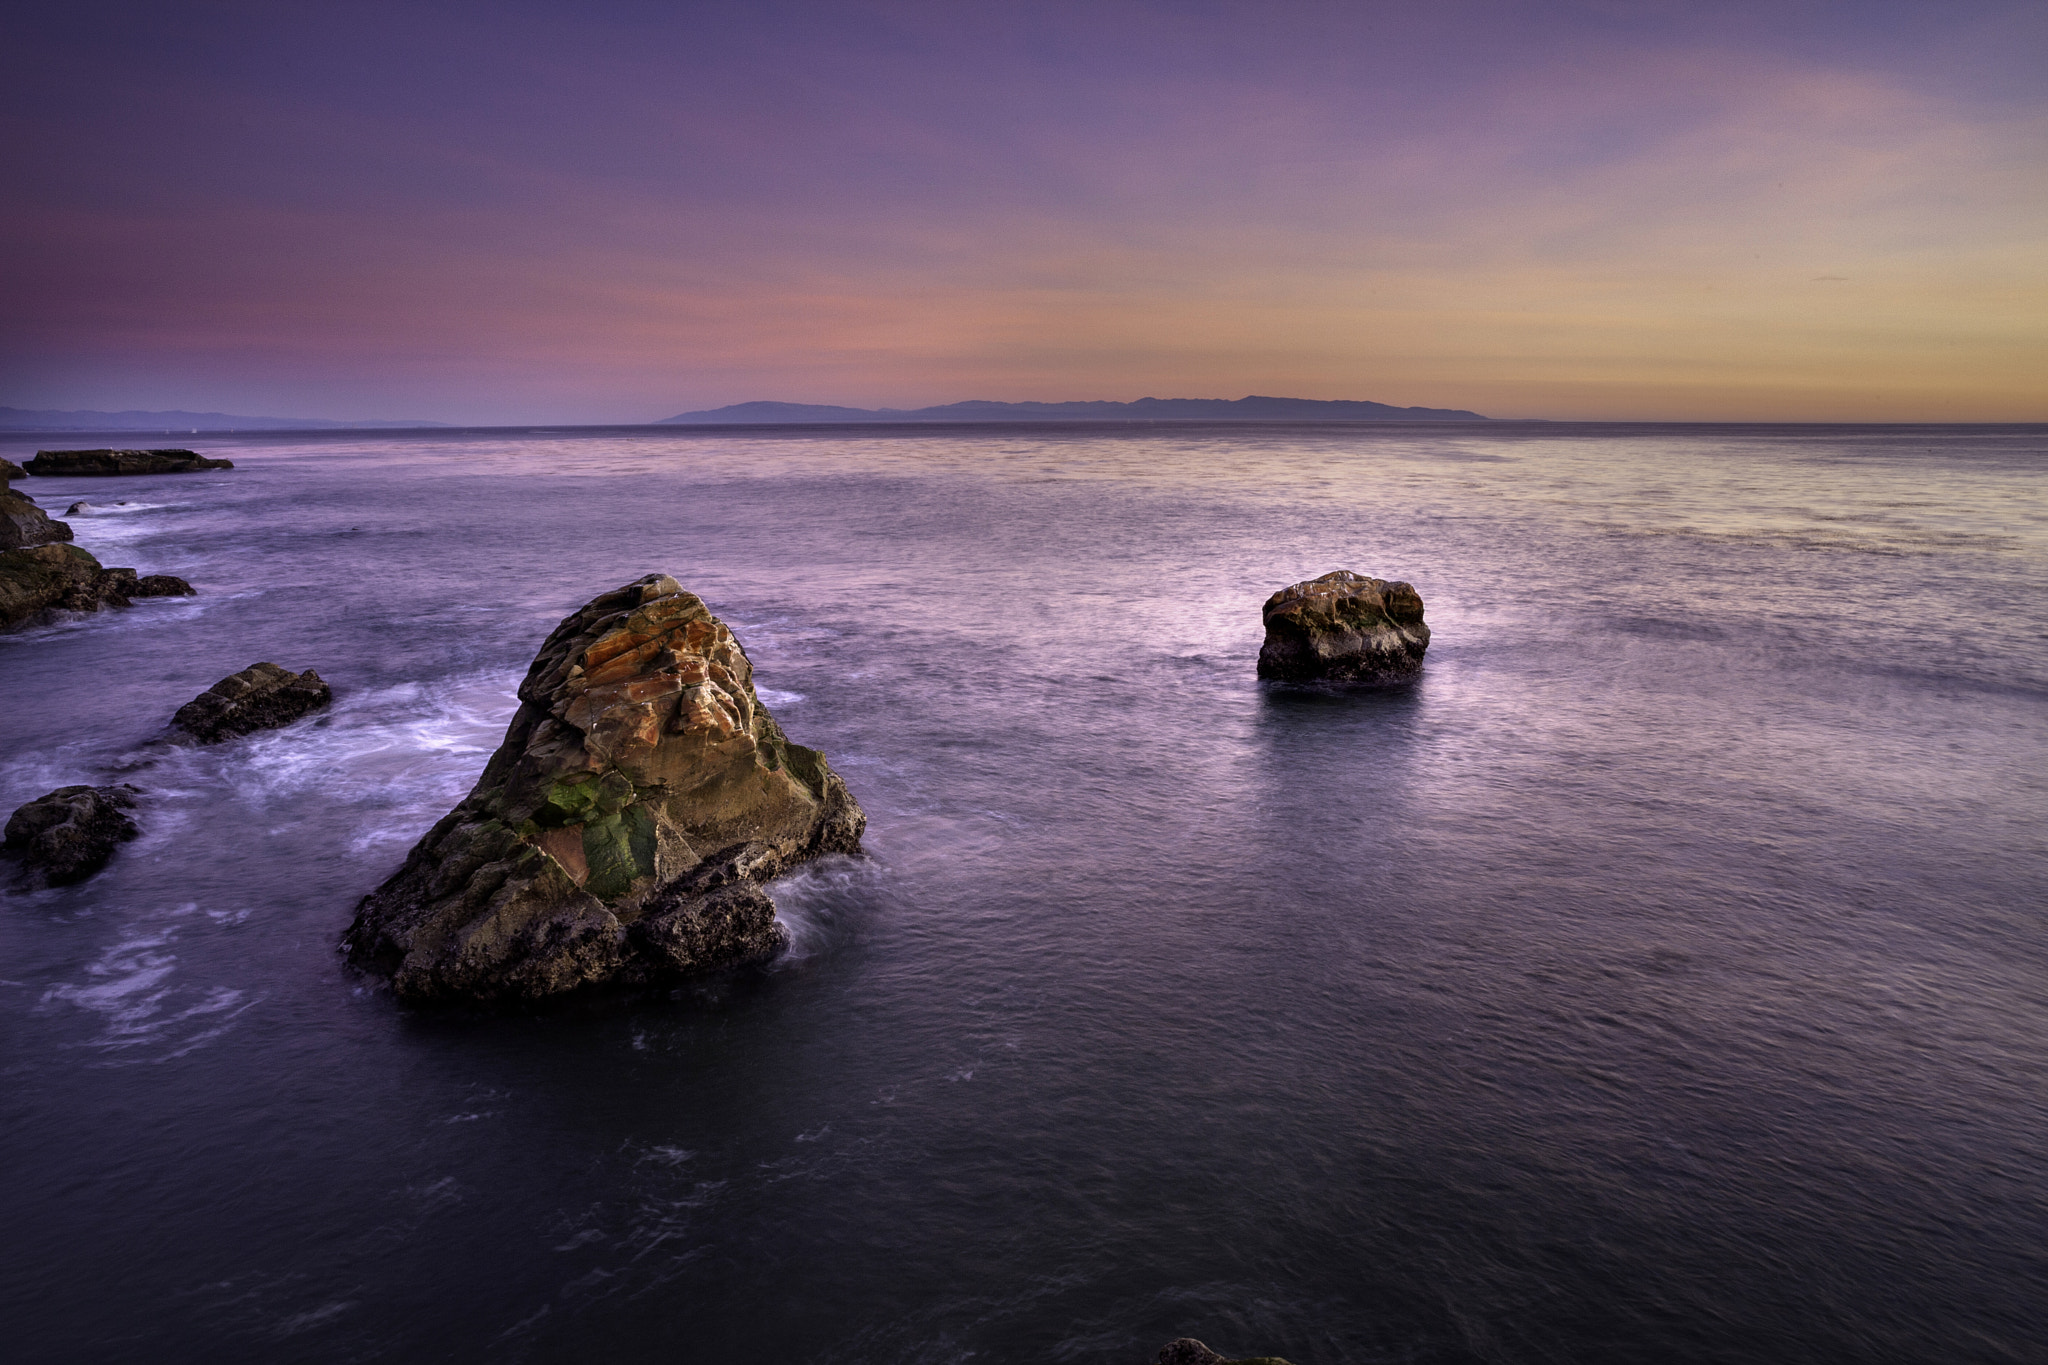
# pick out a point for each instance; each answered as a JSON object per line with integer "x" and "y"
{"x": 402, "y": 755}
{"x": 144, "y": 613}
{"x": 129, "y": 987}
{"x": 667, "y": 1156}
{"x": 775, "y": 696}
{"x": 809, "y": 901}
{"x": 315, "y": 1317}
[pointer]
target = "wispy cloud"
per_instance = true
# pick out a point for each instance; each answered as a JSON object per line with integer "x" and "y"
{"x": 1556, "y": 210}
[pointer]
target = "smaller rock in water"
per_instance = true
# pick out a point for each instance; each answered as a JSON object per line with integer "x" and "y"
{"x": 51, "y": 462}
{"x": 260, "y": 697}
{"x": 1346, "y": 627}
{"x": 9, "y": 470}
{"x": 69, "y": 834}
{"x": 1188, "y": 1351}
{"x": 80, "y": 509}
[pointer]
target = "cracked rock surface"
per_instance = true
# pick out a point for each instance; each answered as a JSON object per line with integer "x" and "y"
{"x": 620, "y": 831}
{"x": 260, "y": 697}
{"x": 23, "y": 524}
{"x": 1344, "y": 626}
{"x": 65, "y": 578}
{"x": 69, "y": 834}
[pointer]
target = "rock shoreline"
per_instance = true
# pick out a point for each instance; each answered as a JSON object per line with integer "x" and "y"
{"x": 40, "y": 571}
{"x": 23, "y": 524}
{"x": 65, "y": 578}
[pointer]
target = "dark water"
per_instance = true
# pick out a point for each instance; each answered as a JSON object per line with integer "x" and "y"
{"x": 1664, "y": 978}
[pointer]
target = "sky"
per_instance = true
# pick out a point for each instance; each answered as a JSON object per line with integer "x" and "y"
{"x": 614, "y": 212}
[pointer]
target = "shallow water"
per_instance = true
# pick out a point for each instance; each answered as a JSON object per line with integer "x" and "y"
{"x": 1663, "y": 978}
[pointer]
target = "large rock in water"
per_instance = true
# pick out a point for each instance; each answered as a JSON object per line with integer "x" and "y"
{"x": 23, "y": 524}
{"x": 260, "y": 697}
{"x": 69, "y": 834}
{"x": 52, "y": 462}
{"x": 66, "y": 578}
{"x": 616, "y": 835}
{"x": 1344, "y": 626}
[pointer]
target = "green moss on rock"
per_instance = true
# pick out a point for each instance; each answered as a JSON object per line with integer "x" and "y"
{"x": 640, "y": 776}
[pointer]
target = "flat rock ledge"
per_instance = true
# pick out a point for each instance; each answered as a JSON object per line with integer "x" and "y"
{"x": 1344, "y": 627}
{"x": 65, "y": 578}
{"x": 620, "y": 832}
{"x": 54, "y": 462}
{"x": 1188, "y": 1351}
{"x": 260, "y": 697}
{"x": 69, "y": 834}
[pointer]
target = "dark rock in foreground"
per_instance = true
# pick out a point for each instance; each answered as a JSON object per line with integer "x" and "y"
{"x": 1188, "y": 1351}
{"x": 66, "y": 578}
{"x": 51, "y": 462}
{"x": 620, "y": 831}
{"x": 260, "y": 697}
{"x": 69, "y": 834}
{"x": 1344, "y": 626}
{"x": 23, "y": 524}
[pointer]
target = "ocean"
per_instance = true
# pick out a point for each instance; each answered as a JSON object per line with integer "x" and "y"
{"x": 1664, "y": 977}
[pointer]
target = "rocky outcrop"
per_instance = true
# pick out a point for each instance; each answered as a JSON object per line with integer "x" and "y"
{"x": 23, "y": 524}
{"x": 622, "y": 829}
{"x": 66, "y": 578}
{"x": 1188, "y": 1351}
{"x": 1344, "y": 626}
{"x": 51, "y": 462}
{"x": 69, "y": 834}
{"x": 260, "y": 697}
{"x": 10, "y": 470}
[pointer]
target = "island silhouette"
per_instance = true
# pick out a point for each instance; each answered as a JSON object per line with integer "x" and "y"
{"x": 1253, "y": 408}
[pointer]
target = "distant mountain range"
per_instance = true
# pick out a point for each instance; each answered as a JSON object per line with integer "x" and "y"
{"x": 1253, "y": 409}
{"x": 26, "y": 419}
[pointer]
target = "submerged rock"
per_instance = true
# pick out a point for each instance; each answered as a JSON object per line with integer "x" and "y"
{"x": 69, "y": 834}
{"x": 619, "y": 832}
{"x": 23, "y": 524}
{"x": 1188, "y": 1351}
{"x": 52, "y": 462}
{"x": 66, "y": 578}
{"x": 260, "y": 697}
{"x": 1344, "y": 626}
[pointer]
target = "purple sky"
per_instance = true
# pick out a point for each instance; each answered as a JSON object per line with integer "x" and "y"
{"x": 614, "y": 212}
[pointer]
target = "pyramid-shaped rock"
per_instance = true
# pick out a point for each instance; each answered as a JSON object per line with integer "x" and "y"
{"x": 614, "y": 836}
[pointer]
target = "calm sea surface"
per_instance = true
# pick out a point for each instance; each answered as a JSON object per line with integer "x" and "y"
{"x": 1663, "y": 979}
